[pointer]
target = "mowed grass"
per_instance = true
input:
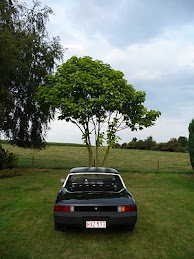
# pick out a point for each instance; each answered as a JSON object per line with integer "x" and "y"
{"x": 164, "y": 228}
{"x": 165, "y": 200}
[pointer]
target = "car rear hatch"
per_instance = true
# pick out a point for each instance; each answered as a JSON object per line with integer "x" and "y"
{"x": 93, "y": 199}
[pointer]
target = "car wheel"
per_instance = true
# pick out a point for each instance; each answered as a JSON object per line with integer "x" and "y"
{"x": 131, "y": 228}
{"x": 59, "y": 227}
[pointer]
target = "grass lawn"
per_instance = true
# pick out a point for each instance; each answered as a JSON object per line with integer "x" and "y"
{"x": 165, "y": 227}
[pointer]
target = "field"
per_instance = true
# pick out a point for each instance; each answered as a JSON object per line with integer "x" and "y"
{"x": 63, "y": 157}
{"x": 165, "y": 227}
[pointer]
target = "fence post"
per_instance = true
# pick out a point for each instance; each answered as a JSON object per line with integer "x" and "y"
{"x": 33, "y": 162}
{"x": 158, "y": 167}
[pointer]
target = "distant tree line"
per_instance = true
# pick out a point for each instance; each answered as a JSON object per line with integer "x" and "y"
{"x": 173, "y": 145}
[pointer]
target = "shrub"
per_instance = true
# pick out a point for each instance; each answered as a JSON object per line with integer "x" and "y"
{"x": 183, "y": 141}
{"x": 140, "y": 145}
{"x": 171, "y": 146}
{"x": 149, "y": 143}
{"x": 117, "y": 145}
{"x": 124, "y": 145}
{"x": 7, "y": 160}
{"x": 7, "y": 173}
{"x": 131, "y": 145}
{"x": 191, "y": 143}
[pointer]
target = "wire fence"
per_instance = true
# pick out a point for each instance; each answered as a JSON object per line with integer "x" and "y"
{"x": 155, "y": 166}
{"x": 35, "y": 162}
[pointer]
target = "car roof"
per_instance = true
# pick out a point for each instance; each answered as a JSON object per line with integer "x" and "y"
{"x": 93, "y": 170}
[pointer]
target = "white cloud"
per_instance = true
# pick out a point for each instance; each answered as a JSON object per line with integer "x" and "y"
{"x": 75, "y": 49}
{"x": 157, "y": 59}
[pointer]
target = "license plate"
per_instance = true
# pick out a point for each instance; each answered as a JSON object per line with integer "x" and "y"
{"x": 95, "y": 224}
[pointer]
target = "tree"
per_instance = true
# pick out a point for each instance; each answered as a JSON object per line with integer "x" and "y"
{"x": 149, "y": 143}
{"x": 26, "y": 56}
{"x": 140, "y": 144}
{"x": 174, "y": 146}
{"x": 92, "y": 95}
{"x": 191, "y": 142}
{"x": 124, "y": 145}
{"x": 171, "y": 146}
{"x": 132, "y": 144}
{"x": 117, "y": 146}
{"x": 183, "y": 141}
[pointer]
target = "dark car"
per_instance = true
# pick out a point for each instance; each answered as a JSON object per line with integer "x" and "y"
{"x": 94, "y": 197}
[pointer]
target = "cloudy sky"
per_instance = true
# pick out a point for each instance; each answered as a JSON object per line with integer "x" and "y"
{"x": 151, "y": 41}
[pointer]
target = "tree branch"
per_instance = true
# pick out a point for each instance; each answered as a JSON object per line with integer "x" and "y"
{"x": 122, "y": 128}
{"x": 94, "y": 128}
{"x": 74, "y": 122}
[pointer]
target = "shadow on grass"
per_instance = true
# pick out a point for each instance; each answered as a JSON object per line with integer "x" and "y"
{"x": 150, "y": 171}
{"x": 83, "y": 230}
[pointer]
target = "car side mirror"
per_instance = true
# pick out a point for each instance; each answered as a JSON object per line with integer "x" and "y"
{"x": 62, "y": 180}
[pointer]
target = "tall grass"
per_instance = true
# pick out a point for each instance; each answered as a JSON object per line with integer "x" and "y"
{"x": 66, "y": 157}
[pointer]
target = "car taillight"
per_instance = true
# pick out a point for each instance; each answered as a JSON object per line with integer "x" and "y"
{"x": 64, "y": 208}
{"x": 127, "y": 208}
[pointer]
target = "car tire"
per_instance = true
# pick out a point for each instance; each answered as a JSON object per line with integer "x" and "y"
{"x": 59, "y": 227}
{"x": 131, "y": 228}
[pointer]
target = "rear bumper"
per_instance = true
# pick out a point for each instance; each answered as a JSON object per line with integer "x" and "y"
{"x": 80, "y": 218}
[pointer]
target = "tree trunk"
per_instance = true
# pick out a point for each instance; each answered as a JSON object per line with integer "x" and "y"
{"x": 106, "y": 155}
{"x": 97, "y": 156}
{"x": 90, "y": 155}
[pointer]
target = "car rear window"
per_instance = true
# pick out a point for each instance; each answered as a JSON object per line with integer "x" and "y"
{"x": 94, "y": 182}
